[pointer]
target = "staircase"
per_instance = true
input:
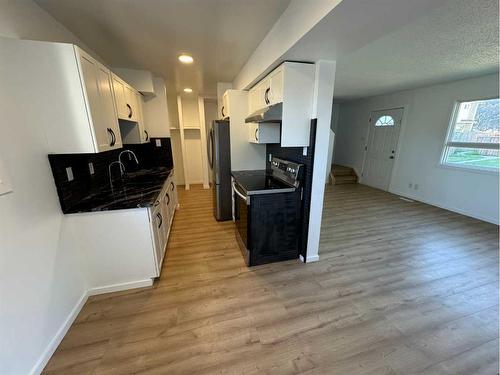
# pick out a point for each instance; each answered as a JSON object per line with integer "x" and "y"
{"x": 341, "y": 175}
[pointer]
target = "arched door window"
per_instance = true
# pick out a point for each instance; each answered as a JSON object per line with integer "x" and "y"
{"x": 384, "y": 121}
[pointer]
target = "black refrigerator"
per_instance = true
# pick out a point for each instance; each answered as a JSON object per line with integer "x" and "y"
{"x": 219, "y": 157}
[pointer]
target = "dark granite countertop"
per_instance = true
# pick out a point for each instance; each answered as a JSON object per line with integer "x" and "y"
{"x": 139, "y": 189}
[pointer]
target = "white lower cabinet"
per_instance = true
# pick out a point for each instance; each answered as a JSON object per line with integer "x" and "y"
{"x": 161, "y": 217}
{"x": 124, "y": 249}
{"x": 264, "y": 133}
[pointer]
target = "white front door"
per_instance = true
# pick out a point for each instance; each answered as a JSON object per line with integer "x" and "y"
{"x": 381, "y": 147}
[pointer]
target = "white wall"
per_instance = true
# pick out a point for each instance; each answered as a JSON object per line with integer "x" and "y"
{"x": 41, "y": 278}
{"x": 425, "y": 123}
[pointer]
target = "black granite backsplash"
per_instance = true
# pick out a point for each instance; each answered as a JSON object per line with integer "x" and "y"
{"x": 295, "y": 154}
{"x": 150, "y": 156}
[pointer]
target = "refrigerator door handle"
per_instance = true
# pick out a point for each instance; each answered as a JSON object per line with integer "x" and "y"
{"x": 210, "y": 150}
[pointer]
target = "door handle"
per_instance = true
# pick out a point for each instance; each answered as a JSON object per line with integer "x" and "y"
{"x": 266, "y": 95}
{"x": 391, "y": 157}
{"x": 242, "y": 196}
{"x": 113, "y": 137}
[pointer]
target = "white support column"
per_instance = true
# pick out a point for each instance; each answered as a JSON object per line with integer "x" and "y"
{"x": 322, "y": 111}
{"x": 183, "y": 143}
{"x": 203, "y": 141}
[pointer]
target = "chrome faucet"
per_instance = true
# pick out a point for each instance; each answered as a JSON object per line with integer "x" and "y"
{"x": 127, "y": 152}
{"x": 122, "y": 171}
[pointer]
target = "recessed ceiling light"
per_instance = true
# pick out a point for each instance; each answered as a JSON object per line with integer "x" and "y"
{"x": 185, "y": 59}
{"x": 187, "y": 89}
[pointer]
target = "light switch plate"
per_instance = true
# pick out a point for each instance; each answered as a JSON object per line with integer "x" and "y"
{"x": 5, "y": 184}
{"x": 69, "y": 173}
{"x": 158, "y": 143}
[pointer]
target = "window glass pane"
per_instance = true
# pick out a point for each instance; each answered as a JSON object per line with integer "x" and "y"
{"x": 385, "y": 121}
{"x": 477, "y": 122}
{"x": 473, "y": 157}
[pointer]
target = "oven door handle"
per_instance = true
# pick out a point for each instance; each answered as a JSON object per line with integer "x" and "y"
{"x": 242, "y": 196}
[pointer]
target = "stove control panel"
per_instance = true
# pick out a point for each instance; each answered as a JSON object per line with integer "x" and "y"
{"x": 287, "y": 171}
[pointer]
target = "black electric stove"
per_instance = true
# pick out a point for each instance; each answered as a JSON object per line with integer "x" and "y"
{"x": 267, "y": 212}
{"x": 260, "y": 182}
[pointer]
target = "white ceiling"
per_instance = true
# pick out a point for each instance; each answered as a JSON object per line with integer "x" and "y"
{"x": 149, "y": 34}
{"x": 455, "y": 41}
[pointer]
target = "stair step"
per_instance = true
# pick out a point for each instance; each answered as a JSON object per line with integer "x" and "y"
{"x": 343, "y": 172}
{"x": 339, "y": 170}
{"x": 339, "y": 180}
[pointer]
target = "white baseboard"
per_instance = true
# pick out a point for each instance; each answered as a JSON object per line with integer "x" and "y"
{"x": 312, "y": 258}
{"x": 120, "y": 287}
{"x": 445, "y": 207}
{"x": 309, "y": 259}
{"x": 61, "y": 332}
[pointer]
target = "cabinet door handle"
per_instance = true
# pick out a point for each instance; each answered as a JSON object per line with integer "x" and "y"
{"x": 147, "y": 135}
{"x": 257, "y": 134}
{"x": 158, "y": 215}
{"x": 266, "y": 95}
{"x": 222, "y": 111}
{"x": 168, "y": 201}
{"x": 129, "y": 111}
{"x": 112, "y": 134}
{"x": 172, "y": 185}
{"x": 113, "y": 142}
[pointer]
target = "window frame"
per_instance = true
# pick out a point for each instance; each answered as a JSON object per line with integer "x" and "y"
{"x": 447, "y": 144}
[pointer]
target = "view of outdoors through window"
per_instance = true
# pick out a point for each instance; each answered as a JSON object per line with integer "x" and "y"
{"x": 474, "y": 139}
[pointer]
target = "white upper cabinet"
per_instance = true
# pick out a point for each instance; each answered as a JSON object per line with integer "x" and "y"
{"x": 291, "y": 84}
{"x": 275, "y": 93}
{"x": 71, "y": 92}
{"x": 264, "y": 133}
{"x": 131, "y": 103}
{"x": 119, "y": 92}
{"x": 224, "y": 109}
{"x": 129, "y": 109}
{"x": 127, "y": 105}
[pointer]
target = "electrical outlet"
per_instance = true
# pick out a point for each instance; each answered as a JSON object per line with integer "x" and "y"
{"x": 304, "y": 151}
{"x": 91, "y": 168}
{"x": 270, "y": 157}
{"x": 69, "y": 173}
{"x": 415, "y": 186}
{"x": 410, "y": 185}
{"x": 158, "y": 143}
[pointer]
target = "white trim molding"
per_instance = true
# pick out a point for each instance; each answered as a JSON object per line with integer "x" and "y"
{"x": 120, "y": 287}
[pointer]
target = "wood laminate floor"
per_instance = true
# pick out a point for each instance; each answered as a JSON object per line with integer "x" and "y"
{"x": 400, "y": 288}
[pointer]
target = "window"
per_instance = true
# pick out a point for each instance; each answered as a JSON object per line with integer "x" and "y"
{"x": 474, "y": 135}
{"x": 385, "y": 121}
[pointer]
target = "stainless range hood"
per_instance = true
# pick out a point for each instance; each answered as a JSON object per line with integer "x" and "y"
{"x": 272, "y": 113}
